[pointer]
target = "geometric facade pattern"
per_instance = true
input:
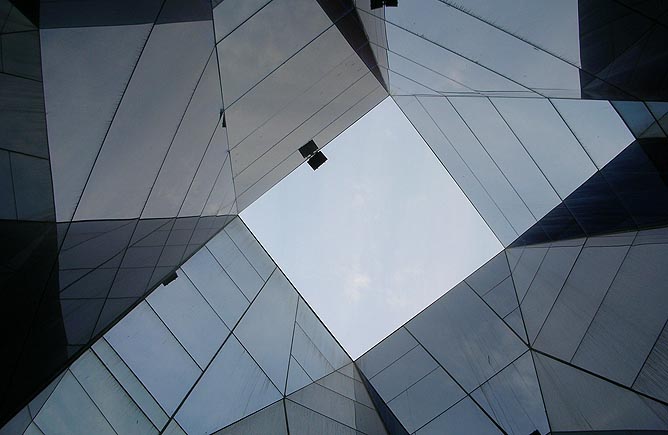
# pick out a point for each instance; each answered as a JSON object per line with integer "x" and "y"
{"x": 135, "y": 300}
{"x": 228, "y": 347}
{"x": 545, "y": 337}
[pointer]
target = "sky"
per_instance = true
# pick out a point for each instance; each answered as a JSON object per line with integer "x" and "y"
{"x": 376, "y": 234}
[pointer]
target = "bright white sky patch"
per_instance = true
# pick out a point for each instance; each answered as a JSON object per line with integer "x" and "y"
{"x": 376, "y": 234}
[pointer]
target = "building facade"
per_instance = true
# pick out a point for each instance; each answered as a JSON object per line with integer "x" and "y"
{"x": 135, "y": 300}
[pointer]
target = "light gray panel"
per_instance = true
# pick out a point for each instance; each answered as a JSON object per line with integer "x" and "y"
{"x": 528, "y": 262}
{"x": 463, "y": 418}
{"x": 426, "y": 399}
{"x": 173, "y": 59}
{"x": 85, "y": 73}
{"x": 581, "y": 296}
{"x": 297, "y": 377}
{"x": 466, "y": 337}
{"x": 173, "y": 429}
{"x": 597, "y": 126}
{"x": 326, "y": 402}
{"x": 214, "y": 159}
{"x": 188, "y": 147}
{"x": 230, "y": 14}
{"x": 630, "y": 318}
{"x": 266, "y": 328}
{"x": 340, "y": 383}
{"x": 235, "y": 264}
{"x": 223, "y": 194}
{"x": 287, "y": 98}
{"x": 303, "y": 421}
{"x": 548, "y": 25}
{"x": 248, "y": 244}
{"x": 489, "y": 46}
{"x": 449, "y": 64}
{"x": 216, "y": 286}
{"x": 130, "y": 383}
{"x": 509, "y": 154}
{"x": 546, "y": 286}
{"x": 270, "y": 420}
{"x": 321, "y": 338}
{"x": 576, "y": 401}
{"x": 69, "y": 411}
{"x": 403, "y": 373}
{"x": 265, "y": 41}
{"x": 110, "y": 398}
{"x": 386, "y": 352}
{"x": 549, "y": 141}
{"x": 187, "y": 314}
{"x": 502, "y": 298}
{"x": 154, "y": 355}
{"x": 489, "y": 274}
{"x": 232, "y": 388}
{"x": 514, "y": 400}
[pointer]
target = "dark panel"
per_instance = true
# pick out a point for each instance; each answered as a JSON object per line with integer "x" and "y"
{"x": 624, "y": 47}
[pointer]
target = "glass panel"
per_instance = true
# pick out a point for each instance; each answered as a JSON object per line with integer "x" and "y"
{"x": 630, "y": 318}
{"x": 297, "y": 377}
{"x": 549, "y": 141}
{"x": 326, "y": 402}
{"x": 463, "y": 137}
{"x": 262, "y": 43}
{"x": 230, "y": 14}
{"x": 449, "y": 64}
{"x": 514, "y": 400}
{"x": 463, "y": 33}
{"x": 426, "y": 399}
{"x": 597, "y": 126}
{"x": 216, "y": 286}
{"x": 187, "y": 315}
{"x": 545, "y": 287}
{"x": 130, "y": 383}
{"x": 232, "y": 387}
{"x": 576, "y": 401}
{"x": 464, "y": 417}
{"x": 321, "y": 338}
{"x": 188, "y": 146}
{"x": 85, "y": 71}
{"x": 215, "y": 158}
{"x": 502, "y": 298}
{"x": 403, "y": 373}
{"x": 118, "y": 408}
{"x": 508, "y": 153}
{"x": 386, "y": 352}
{"x": 270, "y": 420}
{"x": 489, "y": 274}
{"x": 154, "y": 355}
{"x": 303, "y": 421}
{"x": 653, "y": 378}
{"x": 458, "y": 169}
{"x": 235, "y": 264}
{"x": 279, "y": 104}
{"x": 529, "y": 260}
{"x": 267, "y": 327}
{"x": 579, "y": 299}
{"x": 465, "y": 336}
{"x": 69, "y": 411}
{"x": 173, "y": 59}
{"x": 251, "y": 248}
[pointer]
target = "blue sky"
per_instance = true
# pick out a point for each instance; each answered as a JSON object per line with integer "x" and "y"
{"x": 375, "y": 234}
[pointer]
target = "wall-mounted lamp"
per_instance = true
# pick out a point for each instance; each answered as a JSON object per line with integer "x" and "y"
{"x": 310, "y": 151}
